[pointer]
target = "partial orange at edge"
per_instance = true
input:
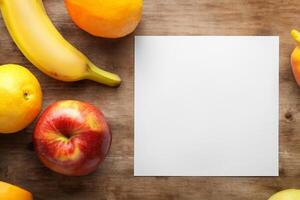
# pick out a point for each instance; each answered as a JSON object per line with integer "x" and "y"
{"x": 106, "y": 18}
{"x": 12, "y": 192}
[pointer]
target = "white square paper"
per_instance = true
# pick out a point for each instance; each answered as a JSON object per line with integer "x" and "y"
{"x": 206, "y": 106}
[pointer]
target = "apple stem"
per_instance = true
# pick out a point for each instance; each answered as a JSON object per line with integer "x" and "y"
{"x": 102, "y": 76}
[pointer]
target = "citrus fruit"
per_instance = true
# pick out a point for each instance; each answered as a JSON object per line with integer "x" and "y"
{"x": 21, "y": 98}
{"x": 11, "y": 192}
{"x": 106, "y": 18}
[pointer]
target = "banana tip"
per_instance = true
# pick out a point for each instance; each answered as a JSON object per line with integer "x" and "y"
{"x": 102, "y": 76}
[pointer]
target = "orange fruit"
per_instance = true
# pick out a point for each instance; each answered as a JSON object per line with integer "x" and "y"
{"x": 106, "y": 18}
{"x": 11, "y": 192}
{"x": 20, "y": 98}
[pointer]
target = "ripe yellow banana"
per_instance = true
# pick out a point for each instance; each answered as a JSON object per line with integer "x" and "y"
{"x": 39, "y": 40}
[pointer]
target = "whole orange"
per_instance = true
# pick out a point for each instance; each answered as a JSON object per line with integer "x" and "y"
{"x": 11, "y": 192}
{"x": 106, "y": 18}
{"x": 20, "y": 98}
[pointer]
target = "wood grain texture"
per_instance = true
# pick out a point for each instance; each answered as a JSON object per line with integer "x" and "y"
{"x": 114, "y": 179}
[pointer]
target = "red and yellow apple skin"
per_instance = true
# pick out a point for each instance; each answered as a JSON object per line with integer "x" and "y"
{"x": 72, "y": 138}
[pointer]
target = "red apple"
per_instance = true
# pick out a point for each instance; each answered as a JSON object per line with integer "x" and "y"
{"x": 72, "y": 138}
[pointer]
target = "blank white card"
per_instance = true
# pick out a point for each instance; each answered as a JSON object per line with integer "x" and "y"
{"x": 206, "y": 106}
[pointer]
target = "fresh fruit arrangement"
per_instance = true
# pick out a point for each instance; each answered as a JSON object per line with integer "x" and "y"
{"x": 292, "y": 194}
{"x": 45, "y": 47}
{"x": 72, "y": 138}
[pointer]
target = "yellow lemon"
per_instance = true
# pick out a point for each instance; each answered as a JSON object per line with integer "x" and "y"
{"x": 20, "y": 98}
{"x": 290, "y": 194}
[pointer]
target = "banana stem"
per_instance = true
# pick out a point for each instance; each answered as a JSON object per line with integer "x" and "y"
{"x": 296, "y": 35}
{"x": 101, "y": 76}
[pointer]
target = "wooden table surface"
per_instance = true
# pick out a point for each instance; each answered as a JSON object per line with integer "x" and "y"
{"x": 114, "y": 179}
